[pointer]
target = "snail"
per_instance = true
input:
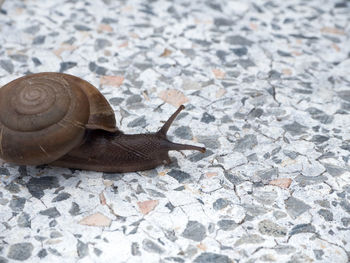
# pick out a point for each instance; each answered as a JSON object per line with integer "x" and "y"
{"x": 62, "y": 120}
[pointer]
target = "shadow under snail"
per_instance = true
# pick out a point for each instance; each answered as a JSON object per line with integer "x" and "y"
{"x": 62, "y": 120}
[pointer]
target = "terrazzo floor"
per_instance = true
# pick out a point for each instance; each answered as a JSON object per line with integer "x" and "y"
{"x": 266, "y": 86}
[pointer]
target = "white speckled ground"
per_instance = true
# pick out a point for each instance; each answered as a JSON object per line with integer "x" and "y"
{"x": 266, "y": 86}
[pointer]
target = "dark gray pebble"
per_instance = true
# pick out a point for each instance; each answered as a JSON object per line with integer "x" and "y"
{"x": 83, "y": 249}
{"x": 184, "y": 132}
{"x": 283, "y": 53}
{"x": 302, "y": 228}
{"x": 82, "y": 28}
{"x": 256, "y": 113}
{"x": 233, "y": 178}
{"x": 54, "y": 251}
{"x": 240, "y": 51}
{"x": 101, "y": 43}
{"x": 150, "y": 246}
{"x": 210, "y": 141}
{"x": 220, "y": 204}
{"x": 36, "y": 61}
{"x": 61, "y": 197}
{"x": 334, "y": 170}
{"x": 140, "y": 121}
{"x": 19, "y": 58}
{"x": 227, "y": 224}
{"x": 295, "y": 128}
{"x": 98, "y": 252}
{"x": 75, "y": 209}
{"x": 346, "y": 221}
{"x": 304, "y": 180}
{"x": 208, "y": 257}
{"x": 179, "y": 175}
{"x": 194, "y": 231}
{"x": 207, "y": 118}
{"x": 195, "y": 157}
{"x": 64, "y": 66}
{"x": 36, "y": 186}
{"x": 319, "y": 138}
{"x": 245, "y": 63}
{"x": 23, "y": 220}
{"x": 249, "y": 141}
{"x": 174, "y": 259}
{"x": 53, "y": 223}
{"x": 17, "y": 203}
{"x": 116, "y": 101}
{"x": 223, "y": 22}
{"x": 32, "y": 29}
{"x": 7, "y": 65}
{"x": 97, "y": 69}
{"x": 238, "y": 40}
{"x": 326, "y": 214}
{"x": 296, "y": 207}
{"x": 20, "y": 251}
{"x": 345, "y": 205}
{"x": 38, "y": 40}
{"x": 133, "y": 99}
{"x": 221, "y": 54}
{"x": 318, "y": 254}
{"x": 319, "y": 115}
{"x": 50, "y": 212}
{"x": 42, "y": 253}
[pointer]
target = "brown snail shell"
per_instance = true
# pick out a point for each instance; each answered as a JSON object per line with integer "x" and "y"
{"x": 43, "y": 116}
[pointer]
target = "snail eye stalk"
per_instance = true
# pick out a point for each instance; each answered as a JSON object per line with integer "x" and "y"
{"x": 176, "y": 146}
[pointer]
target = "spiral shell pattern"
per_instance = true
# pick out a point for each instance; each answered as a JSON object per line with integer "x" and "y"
{"x": 36, "y": 104}
{"x": 42, "y": 117}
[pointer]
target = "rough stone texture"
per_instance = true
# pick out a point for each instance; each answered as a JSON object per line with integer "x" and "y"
{"x": 20, "y": 251}
{"x": 195, "y": 231}
{"x": 266, "y": 85}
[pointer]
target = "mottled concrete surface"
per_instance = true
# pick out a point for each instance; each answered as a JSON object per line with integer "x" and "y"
{"x": 266, "y": 86}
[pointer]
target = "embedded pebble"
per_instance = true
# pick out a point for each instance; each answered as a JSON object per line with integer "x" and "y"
{"x": 20, "y": 251}
{"x": 61, "y": 197}
{"x": 208, "y": 257}
{"x": 140, "y": 121}
{"x": 227, "y": 224}
{"x": 180, "y": 176}
{"x": 267, "y": 227}
{"x": 184, "y": 132}
{"x": 220, "y": 204}
{"x": 302, "y": 228}
{"x": 295, "y": 128}
{"x": 50, "y": 212}
{"x": 36, "y": 186}
{"x": 24, "y": 220}
{"x": 296, "y": 207}
{"x": 249, "y": 239}
{"x": 150, "y": 246}
{"x": 207, "y": 118}
{"x": 42, "y": 253}
{"x": 194, "y": 231}
{"x": 82, "y": 249}
{"x": 247, "y": 142}
{"x": 7, "y": 65}
{"x": 326, "y": 214}
{"x": 17, "y": 204}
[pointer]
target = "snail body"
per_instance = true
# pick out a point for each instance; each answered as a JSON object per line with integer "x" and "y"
{"x": 62, "y": 120}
